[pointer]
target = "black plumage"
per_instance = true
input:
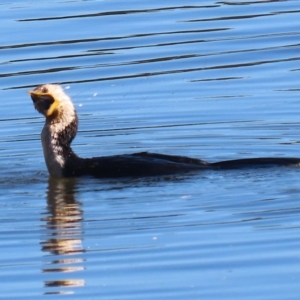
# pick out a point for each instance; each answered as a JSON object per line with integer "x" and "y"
{"x": 61, "y": 127}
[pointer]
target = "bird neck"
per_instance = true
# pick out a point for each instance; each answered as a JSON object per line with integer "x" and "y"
{"x": 57, "y": 136}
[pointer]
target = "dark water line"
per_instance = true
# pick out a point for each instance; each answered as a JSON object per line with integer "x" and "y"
{"x": 218, "y": 79}
{"x": 193, "y": 42}
{"x": 247, "y": 2}
{"x": 118, "y": 12}
{"x": 132, "y": 36}
{"x": 244, "y": 16}
{"x": 60, "y": 57}
{"x": 20, "y": 119}
{"x": 163, "y": 126}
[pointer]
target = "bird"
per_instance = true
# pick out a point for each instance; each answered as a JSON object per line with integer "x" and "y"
{"x": 60, "y": 129}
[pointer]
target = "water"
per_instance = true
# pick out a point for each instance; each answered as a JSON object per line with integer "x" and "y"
{"x": 212, "y": 80}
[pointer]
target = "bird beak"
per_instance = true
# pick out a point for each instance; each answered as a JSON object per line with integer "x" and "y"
{"x": 44, "y": 103}
{"x": 37, "y": 96}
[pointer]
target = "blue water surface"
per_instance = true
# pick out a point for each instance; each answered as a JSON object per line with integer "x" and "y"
{"x": 212, "y": 80}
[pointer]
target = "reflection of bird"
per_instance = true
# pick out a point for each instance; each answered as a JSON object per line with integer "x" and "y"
{"x": 63, "y": 237}
{"x": 61, "y": 128}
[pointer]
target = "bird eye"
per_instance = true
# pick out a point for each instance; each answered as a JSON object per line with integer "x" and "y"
{"x": 44, "y": 90}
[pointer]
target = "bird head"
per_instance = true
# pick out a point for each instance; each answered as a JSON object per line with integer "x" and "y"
{"x": 50, "y": 100}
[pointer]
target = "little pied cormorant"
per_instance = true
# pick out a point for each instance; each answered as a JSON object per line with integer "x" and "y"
{"x": 61, "y": 127}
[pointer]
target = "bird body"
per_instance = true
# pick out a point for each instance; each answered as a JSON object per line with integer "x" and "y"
{"x": 61, "y": 127}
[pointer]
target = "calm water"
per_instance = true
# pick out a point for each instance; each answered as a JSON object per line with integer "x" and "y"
{"x": 213, "y": 80}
